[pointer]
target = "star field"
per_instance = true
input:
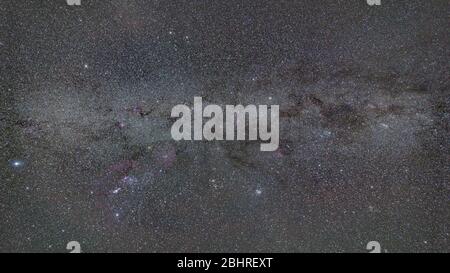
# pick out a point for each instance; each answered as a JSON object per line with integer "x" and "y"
{"x": 86, "y": 152}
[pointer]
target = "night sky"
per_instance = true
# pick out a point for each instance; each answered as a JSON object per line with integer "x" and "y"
{"x": 86, "y": 152}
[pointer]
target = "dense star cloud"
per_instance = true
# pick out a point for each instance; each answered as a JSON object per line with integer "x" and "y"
{"x": 86, "y": 152}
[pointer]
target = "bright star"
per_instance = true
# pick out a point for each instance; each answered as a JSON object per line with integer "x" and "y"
{"x": 17, "y": 163}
